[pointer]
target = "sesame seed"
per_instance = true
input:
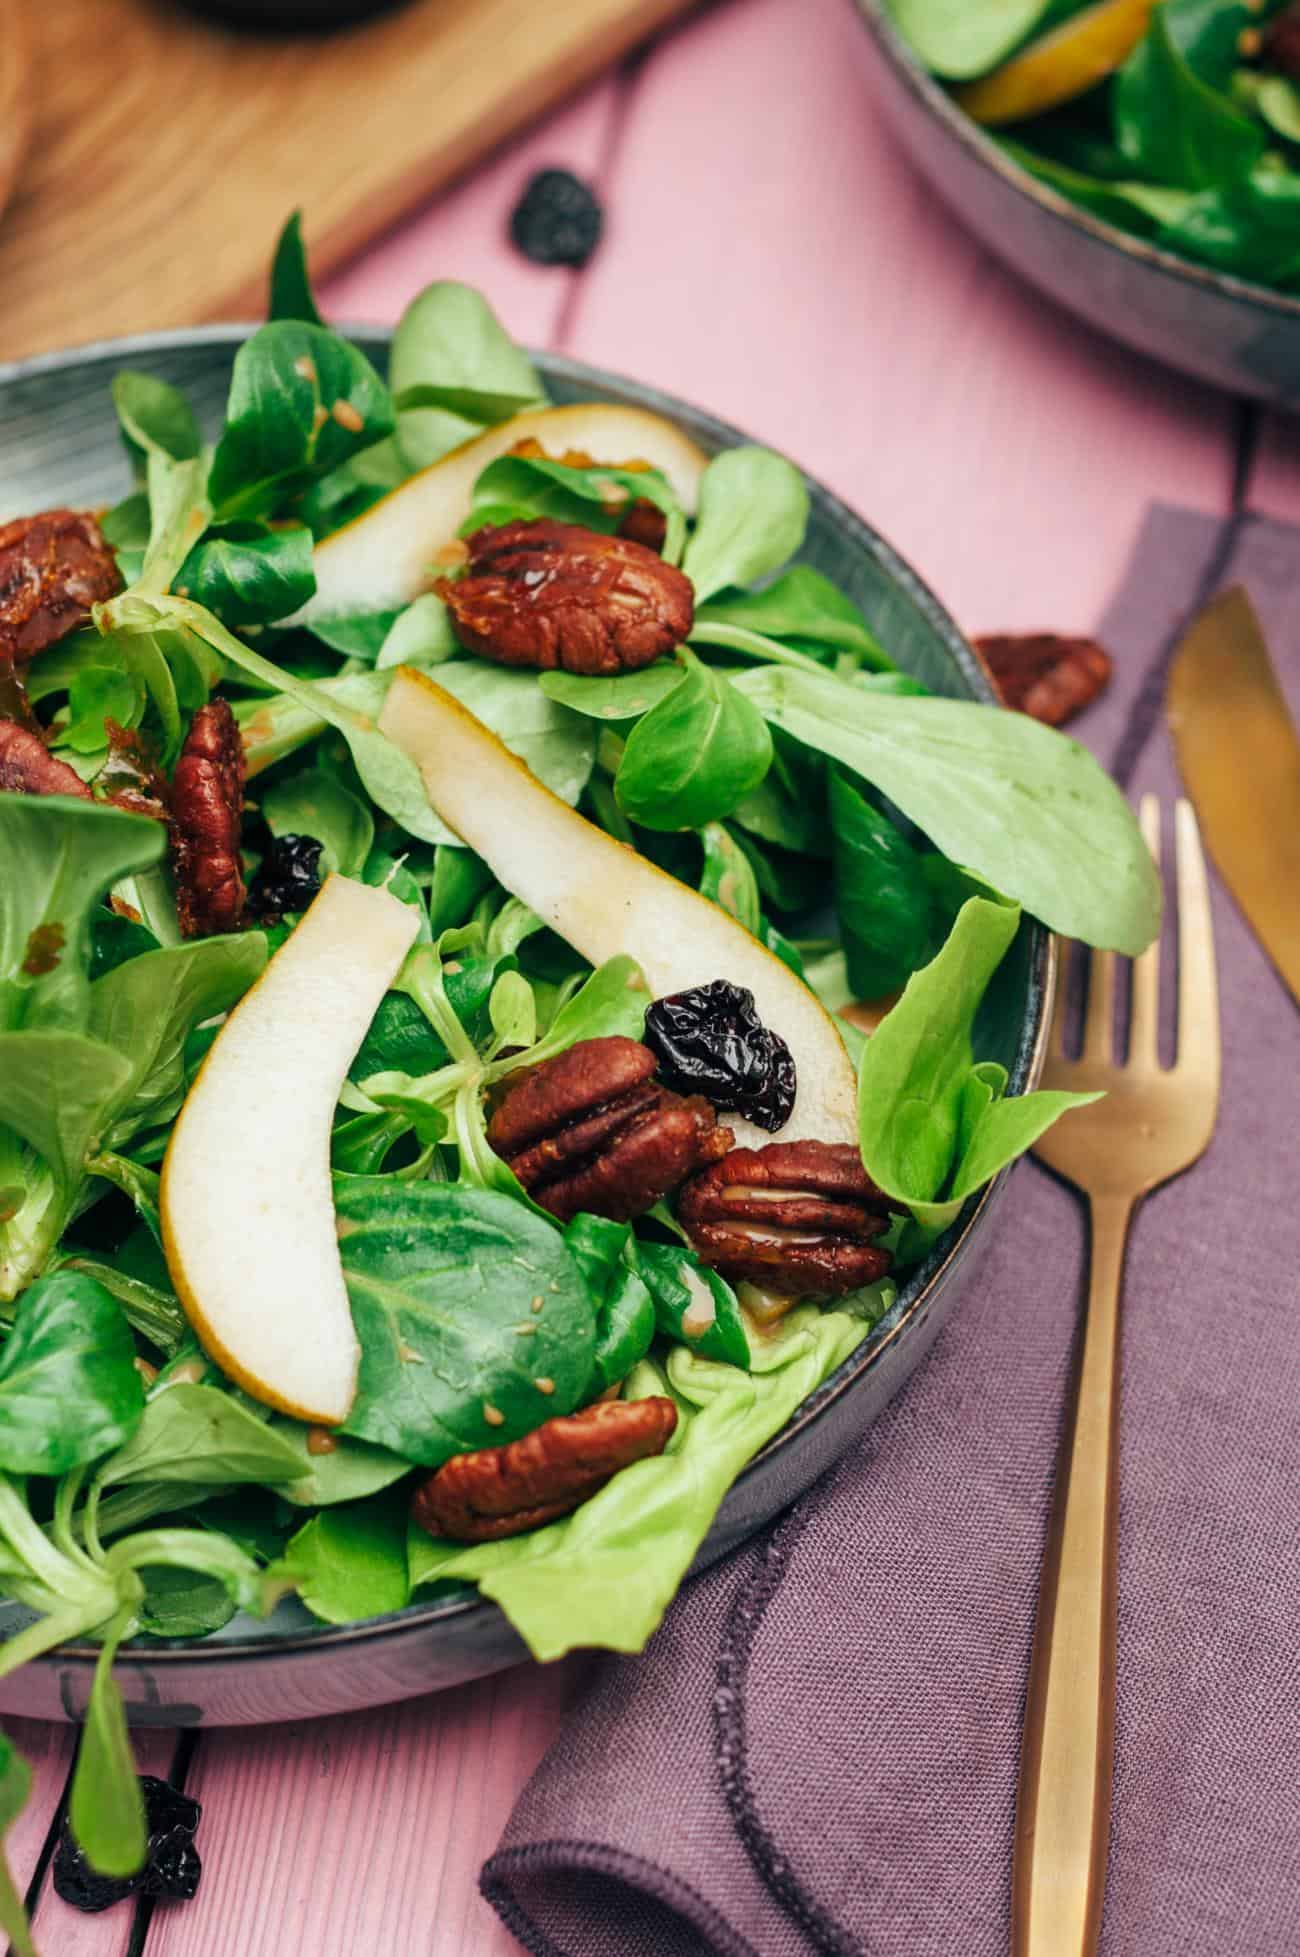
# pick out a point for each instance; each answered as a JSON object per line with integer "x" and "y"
{"x": 347, "y": 417}
{"x": 537, "y": 1304}
{"x": 493, "y": 1415}
{"x": 544, "y": 1385}
{"x": 321, "y": 1441}
{"x": 319, "y": 416}
{"x": 305, "y": 368}
{"x": 525, "y": 1331}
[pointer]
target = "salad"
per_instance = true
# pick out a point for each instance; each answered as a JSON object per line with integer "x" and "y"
{"x": 1178, "y": 121}
{"x": 440, "y": 830}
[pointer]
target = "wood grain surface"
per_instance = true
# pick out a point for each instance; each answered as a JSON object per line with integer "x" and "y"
{"x": 15, "y": 93}
{"x": 767, "y": 253}
{"x": 166, "y": 149}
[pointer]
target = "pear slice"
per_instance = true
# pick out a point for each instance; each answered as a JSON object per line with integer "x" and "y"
{"x": 384, "y": 558}
{"x": 247, "y": 1210}
{"x": 606, "y": 900}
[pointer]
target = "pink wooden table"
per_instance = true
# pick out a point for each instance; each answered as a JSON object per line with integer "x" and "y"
{"x": 768, "y": 254}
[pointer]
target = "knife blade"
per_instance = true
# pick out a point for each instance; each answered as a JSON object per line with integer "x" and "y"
{"x": 1240, "y": 760}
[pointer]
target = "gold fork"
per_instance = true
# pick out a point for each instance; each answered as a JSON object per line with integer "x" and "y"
{"x": 1154, "y": 1122}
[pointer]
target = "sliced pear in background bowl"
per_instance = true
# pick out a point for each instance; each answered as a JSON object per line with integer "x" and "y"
{"x": 383, "y": 559}
{"x": 247, "y": 1209}
{"x": 606, "y": 900}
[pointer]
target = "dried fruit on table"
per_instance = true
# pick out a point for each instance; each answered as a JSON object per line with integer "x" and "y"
{"x": 796, "y": 1218}
{"x": 53, "y": 568}
{"x": 558, "y": 219}
{"x": 711, "y": 1041}
{"x": 171, "y": 1866}
{"x": 28, "y": 768}
{"x": 206, "y": 820}
{"x": 592, "y": 1130}
{"x": 501, "y": 1491}
{"x": 545, "y": 594}
{"x": 1042, "y": 674}
{"x": 288, "y": 877}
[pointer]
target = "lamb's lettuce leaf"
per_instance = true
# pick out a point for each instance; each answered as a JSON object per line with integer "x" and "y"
{"x": 934, "y": 1123}
{"x": 604, "y": 1575}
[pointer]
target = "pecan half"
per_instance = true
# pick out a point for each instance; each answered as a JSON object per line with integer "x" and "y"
{"x": 794, "y": 1217}
{"x": 1044, "y": 675}
{"x": 53, "y": 568}
{"x": 28, "y": 768}
{"x": 547, "y": 594}
{"x": 1280, "y": 42}
{"x": 207, "y": 800}
{"x": 501, "y": 1491}
{"x": 590, "y": 1130}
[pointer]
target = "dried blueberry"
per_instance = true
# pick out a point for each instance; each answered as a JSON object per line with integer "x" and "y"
{"x": 288, "y": 878}
{"x": 711, "y": 1041}
{"x": 557, "y": 221}
{"x": 171, "y": 1866}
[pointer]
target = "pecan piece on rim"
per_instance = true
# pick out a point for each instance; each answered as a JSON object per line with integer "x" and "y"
{"x": 590, "y": 1130}
{"x": 207, "y": 801}
{"x": 1047, "y": 676}
{"x": 793, "y": 1217}
{"x": 546, "y": 594}
{"x": 28, "y": 768}
{"x": 501, "y": 1491}
{"x": 53, "y": 568}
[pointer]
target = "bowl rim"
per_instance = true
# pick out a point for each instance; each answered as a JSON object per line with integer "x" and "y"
{"x": 923, "y": 1283}
{"x": 877, "y": 18}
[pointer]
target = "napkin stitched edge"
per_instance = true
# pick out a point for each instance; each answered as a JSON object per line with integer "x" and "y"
{"x": 565, "y": 1857}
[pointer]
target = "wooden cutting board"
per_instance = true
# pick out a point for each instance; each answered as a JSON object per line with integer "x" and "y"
{"x": 166, "y": 152}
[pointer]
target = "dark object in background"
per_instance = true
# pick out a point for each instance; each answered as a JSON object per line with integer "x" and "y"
{"x": 1044, "y": 675}
{"x": 711, "y": 1041}
{"x": 171, "y": 1865}
{"x": 288, "y": 877}
{"x": 275, "y": 16}
{"x": 557, "y": 221}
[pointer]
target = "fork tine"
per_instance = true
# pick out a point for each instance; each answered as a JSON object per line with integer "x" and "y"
{"x": 1099, "y": 1015}
{"x": 1056, "y": 1039}
{"x": 1144, "y": 1019}
{"x": 1198, "y": 986}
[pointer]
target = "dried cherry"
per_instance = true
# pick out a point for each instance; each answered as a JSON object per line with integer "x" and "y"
{"x": 557, "y": 221}
{"x": 171, "y": 1866}
{"x": 289, "y": 877}
{"x": 711, "y": 1041}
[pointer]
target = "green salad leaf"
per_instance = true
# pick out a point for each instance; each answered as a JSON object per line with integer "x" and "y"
{"x": 803, "y": 606}
{"x": 934, "y": 1123}
{"x": 105, "y": 1805}
{"x": 291, "y": 296}
{"x": 249, "y": 574}
{"x": 753, "y": 512}
{"x": 302, "y": 401}
{"x": 694, "y": 1305}
{"x": 449, "y": 342}
{"x": 1016, "y": 803}
{"x": 605, "y": 1574}
{"x": 351, "y": 1562}
{"x": 317, "y": 804}
{"x": 154, "y": 417}
{"x": 192, "y": 1433}
{"x": 695, "y": 756}
{"x": 475, "y": 1323}
{"x": 69, "y": 1387}
{"x": 608, "y": 1256}
{"x": 1171, "y": 126}
{"x": 15, "y": 1786}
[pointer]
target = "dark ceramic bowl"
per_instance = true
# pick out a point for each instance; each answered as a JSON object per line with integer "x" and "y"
{"x": 1221, "y": 329}
{"x": 61, "y": 445}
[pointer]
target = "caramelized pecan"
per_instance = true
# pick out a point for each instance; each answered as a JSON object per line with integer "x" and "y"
{"x": 590, "y": 1130}
{"x": 1044, "y": 675}
{"x": 1280, "y": 43}
{"x": 53, "y": 568}
{"x": 501, "y": 1491}
{"x": 547, "y": 594}
{"x": 28, "y": 768}
{"x": 207, "y": 800}
{"x": 794, "y": 1217}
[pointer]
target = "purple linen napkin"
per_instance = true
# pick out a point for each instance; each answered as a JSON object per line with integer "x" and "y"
{"x": 818, "y": 1751}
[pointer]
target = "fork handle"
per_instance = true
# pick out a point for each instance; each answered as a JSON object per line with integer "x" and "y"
{"x": 1063, "y": 1803}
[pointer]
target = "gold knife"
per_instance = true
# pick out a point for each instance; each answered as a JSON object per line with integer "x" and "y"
{"x": 1240, "y": 759}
